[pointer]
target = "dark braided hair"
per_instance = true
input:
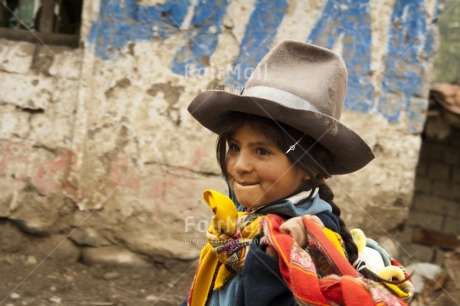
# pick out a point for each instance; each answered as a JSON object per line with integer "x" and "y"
{"x": 309, "y": 154}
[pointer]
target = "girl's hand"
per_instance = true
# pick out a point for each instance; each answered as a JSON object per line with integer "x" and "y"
{"x": 296, "y": 229}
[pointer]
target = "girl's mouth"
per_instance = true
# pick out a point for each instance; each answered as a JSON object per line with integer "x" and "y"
{"x": 245, "y": 183}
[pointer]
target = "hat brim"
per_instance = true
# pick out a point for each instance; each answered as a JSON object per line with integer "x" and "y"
{"x": 350, "y": 151}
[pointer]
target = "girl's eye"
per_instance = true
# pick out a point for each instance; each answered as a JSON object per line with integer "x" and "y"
{"x": 263, "y": 152}
{"x": 233, "y": 147}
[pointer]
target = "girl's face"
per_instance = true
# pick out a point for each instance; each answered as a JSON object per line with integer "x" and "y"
{"x": 258, "y": 170}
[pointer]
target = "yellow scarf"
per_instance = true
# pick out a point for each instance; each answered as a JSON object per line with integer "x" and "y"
{"x": 229, "y": 236}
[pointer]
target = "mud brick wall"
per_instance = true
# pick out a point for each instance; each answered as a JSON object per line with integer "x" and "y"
{"x": 436, "y": 203}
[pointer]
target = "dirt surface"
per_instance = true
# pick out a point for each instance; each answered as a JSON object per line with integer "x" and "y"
{"x": 52, "y": 283}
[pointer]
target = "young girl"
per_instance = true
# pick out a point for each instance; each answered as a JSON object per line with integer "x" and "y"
{"x": 279, "y": 141}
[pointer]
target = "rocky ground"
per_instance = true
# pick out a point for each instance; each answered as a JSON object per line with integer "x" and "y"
{"x": 27, "y": 281}
{"x": 52, "y": 270}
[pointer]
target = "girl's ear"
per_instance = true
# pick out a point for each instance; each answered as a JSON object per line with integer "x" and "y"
{"x": 305, "y": 177}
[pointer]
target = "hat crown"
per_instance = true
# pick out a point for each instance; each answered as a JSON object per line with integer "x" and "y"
{"x": 314, "y": 76}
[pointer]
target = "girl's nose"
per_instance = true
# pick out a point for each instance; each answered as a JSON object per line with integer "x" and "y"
{"x": 242, "y": 163}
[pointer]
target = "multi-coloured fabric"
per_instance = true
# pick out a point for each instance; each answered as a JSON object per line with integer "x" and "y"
{"x": 344, "y": 286}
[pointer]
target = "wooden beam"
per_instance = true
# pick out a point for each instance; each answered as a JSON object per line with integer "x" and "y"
{"x": 434, "y": 238}
{"x": 40, "y": 38}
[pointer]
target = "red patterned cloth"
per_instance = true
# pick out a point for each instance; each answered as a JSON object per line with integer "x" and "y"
{"x": 299, "y": 268}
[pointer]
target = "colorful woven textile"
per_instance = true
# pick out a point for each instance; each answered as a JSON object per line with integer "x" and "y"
{"x": 299, "y": 270}
{"x": 229, "y": 236}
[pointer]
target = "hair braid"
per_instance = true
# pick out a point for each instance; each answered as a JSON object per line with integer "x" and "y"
{"x": 327, "y": 195}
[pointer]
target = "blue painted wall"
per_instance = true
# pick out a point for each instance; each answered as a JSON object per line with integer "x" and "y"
{"x": 349, "y": 22}
{"x": 200, "y": 42}
{"x": 258, "y": 38}
{"x": 119, "y": 25}
{"x": 410, "y": 43}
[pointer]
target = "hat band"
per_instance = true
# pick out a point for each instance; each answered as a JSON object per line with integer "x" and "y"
{"x": 280, "y": 96}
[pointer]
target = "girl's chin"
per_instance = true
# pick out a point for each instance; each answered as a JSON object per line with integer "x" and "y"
{"x": 251, "y": 206}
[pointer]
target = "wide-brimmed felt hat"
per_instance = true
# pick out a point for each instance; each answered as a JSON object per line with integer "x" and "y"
{"x": 301, "y": 85}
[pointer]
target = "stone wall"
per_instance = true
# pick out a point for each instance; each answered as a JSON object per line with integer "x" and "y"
{"x": 435, "y": 206}
{"x": 96, "y": 145}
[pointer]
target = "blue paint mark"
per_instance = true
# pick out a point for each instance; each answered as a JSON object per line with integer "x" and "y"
{"x": 257, "y": 41}
{"x": 409, "y": 45}
{"x": 430, "y": 38}
{"x": 119, "y": 25}
{"x": 349, "y": 21}
{"x": 200, "y": 43}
